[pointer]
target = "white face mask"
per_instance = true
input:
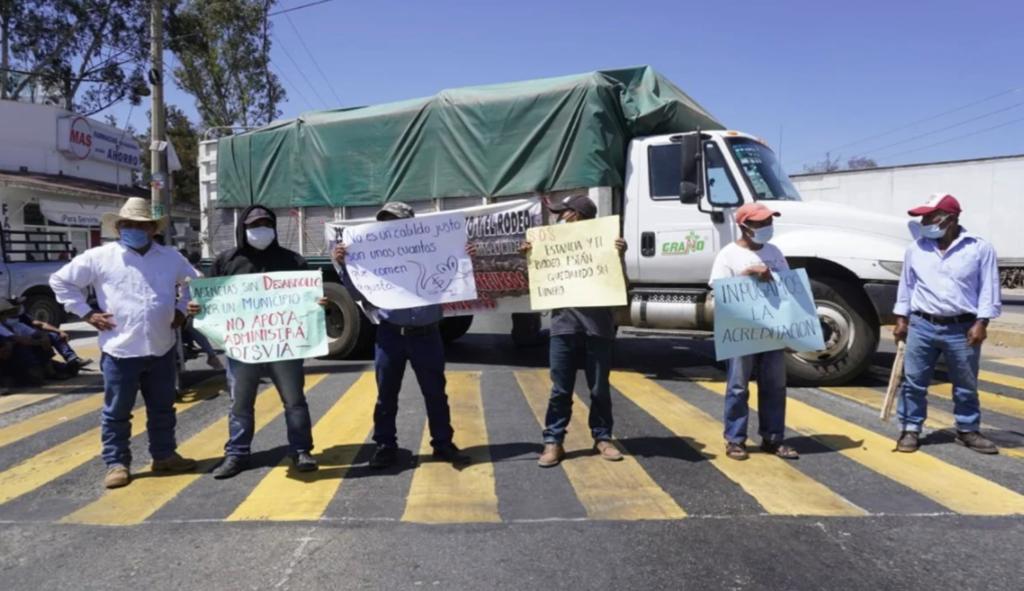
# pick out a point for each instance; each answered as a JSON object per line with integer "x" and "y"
{"x": 260, "y": 237}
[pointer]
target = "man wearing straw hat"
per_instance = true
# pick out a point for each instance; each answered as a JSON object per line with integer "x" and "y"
{"x": 136, "y": 283}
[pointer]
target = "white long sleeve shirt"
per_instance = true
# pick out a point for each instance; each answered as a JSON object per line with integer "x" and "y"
{"x": 139, "y": 290}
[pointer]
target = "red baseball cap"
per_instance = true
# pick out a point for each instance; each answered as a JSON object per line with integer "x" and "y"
{"x": 754, "y": 212}
{"x": 937, "y": 202}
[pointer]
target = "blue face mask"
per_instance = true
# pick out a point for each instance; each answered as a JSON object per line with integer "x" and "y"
{"x": 134, "y": 238}
{"x": 762, "y": 235}
{"x": 933, "y": 231}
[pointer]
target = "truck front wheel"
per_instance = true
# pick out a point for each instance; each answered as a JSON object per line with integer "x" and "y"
{"x": 349, "y": 332}
{"x": 851, "y": 336}
{"x": 454, "y": 327}
{"x": 44, "y": 308}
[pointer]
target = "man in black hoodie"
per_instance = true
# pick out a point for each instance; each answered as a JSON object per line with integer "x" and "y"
{"x": 259, "y": 252}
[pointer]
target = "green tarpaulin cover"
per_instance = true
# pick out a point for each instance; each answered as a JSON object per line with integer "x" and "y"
{"x": 503, "y": 139}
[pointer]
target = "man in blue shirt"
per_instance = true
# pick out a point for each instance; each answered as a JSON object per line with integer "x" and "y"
{"x": 948, "y": 292}
{"x": 413, "y": 335}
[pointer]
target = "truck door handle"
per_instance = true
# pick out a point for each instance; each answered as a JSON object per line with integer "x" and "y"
{"x": 647, "y": 248}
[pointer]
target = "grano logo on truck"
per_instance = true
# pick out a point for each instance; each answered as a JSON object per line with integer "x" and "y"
{"x": 692, "y": 243}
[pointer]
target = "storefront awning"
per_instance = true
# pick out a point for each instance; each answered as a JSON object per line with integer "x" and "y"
{"x": 69, "y": 213}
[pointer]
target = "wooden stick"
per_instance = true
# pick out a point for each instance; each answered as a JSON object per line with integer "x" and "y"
{"x": 895, "y": 378}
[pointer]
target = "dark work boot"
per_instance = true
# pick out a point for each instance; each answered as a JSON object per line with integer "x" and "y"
{"x": 304, "y": 462}
{"x": 384, "y": 457}
{"x": 231, "y": 466}
{"x": 450, "y": 453}
{"x": 908, "y": 442}
{"x": 976, "y": 441}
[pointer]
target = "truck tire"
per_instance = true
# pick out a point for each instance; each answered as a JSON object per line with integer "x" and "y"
{"x": 454, "y": 327}
{"x": 349, "y": 332}
{"x": 44, "y": 308}
{"x": 851, "y": 336}
{"x": 526, "y": 329}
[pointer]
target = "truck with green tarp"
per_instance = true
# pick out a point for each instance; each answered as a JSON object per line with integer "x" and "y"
{"x": 630, "y": 139}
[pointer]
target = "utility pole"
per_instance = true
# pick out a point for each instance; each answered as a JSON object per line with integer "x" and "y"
{"x": 160, "y": 199}
{"x": 5, "y": 52}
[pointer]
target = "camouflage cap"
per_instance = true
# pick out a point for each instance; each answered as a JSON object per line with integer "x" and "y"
{"x": 397, "y": 209}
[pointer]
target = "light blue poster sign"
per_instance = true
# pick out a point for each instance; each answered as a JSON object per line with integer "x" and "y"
{"x": 753, "y": 316}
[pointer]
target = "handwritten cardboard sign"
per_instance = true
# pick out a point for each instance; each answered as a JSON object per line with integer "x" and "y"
{"x": 576, "y": 265}
{"x": 753, "y": 316}
{"x": 411, "y": 262}
{"x": 263, "y": 317}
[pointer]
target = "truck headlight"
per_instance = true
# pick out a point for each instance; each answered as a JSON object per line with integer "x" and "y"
{"x": 894, "y": 267}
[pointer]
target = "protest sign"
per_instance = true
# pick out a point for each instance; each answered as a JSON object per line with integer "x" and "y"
{"x": 410, "y": 262}
{"x": 263, "y": 317}
{"x": 500, "y": 270}
{"x": 576, "y": 265}
{"x": 753, "y": 316}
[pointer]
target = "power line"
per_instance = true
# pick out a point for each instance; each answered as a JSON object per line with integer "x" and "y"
{"x": 299, "y": 70}
{"x": 926, "y": 119}
{"x": 959, "y": 137}
{"x": 941, "y": 129}
{"x": 316, "y": 63}
{"x": 294, "y": 8}
{"x": 297, "y": 90}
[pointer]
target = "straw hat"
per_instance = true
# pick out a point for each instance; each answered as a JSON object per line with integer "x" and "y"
{"x": 136, "y": 209}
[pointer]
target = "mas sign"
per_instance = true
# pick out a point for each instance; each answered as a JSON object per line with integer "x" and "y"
{"x": 85, "y": 139}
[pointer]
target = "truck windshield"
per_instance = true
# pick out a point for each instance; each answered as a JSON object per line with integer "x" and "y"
{"x": 763, "y": 171}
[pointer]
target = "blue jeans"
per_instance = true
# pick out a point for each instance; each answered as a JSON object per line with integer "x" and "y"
{"x": 62, "y": 347}
{"x": 290, "y": 382}
{"x": 122, "y": 380}
{"x": 426, "y": 354}
{"x": 925, "y": 342}
{"x": 567, "y": 354}
{"x": 771, "y": 396}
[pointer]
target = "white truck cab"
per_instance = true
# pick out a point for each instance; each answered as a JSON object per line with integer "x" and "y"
{"x": 677, "y": 215}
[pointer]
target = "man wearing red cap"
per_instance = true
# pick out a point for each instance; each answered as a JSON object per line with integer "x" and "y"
{"x": 753, "y": 256}
{"x": 949, "y": 290}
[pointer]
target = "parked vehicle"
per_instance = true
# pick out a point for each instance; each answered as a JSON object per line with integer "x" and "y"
{"x": 632, "y": 141}
{"x": 988, "y": 188}
{"x": 28, "y": 259}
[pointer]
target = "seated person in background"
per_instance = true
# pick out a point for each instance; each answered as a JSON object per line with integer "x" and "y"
{"x": 58, "y": 338}
{"x": 29, "y": 353}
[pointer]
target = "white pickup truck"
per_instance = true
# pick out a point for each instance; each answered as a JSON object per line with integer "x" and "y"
{"x": 27, "y": 259}
{"x": 675, "y": 203}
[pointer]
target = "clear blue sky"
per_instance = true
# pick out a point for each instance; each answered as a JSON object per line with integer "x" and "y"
{"x": 821, "y": 74}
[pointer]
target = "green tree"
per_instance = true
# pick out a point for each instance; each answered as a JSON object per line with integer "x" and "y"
{"x": 85, "y": 55}
{"x": 223, "y": 49}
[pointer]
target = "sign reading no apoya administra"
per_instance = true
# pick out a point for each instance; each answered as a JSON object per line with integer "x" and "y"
{"x": 263, "y": 317}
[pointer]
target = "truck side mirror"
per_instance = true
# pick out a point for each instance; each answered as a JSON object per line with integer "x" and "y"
{"x": 691, "y": 167}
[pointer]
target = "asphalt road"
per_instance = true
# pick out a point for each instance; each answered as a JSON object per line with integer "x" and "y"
{"x": 850, "y": 514}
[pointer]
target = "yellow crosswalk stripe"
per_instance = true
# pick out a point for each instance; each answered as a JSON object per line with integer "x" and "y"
{"x": 1001, "y": 379}
{"x": 440, "y": 493}
{"x": 285, "y": 495}
{"x": 148, "y": 492}
{"x": 1011, "y": 361}
{"x": 778, "y": 486}
{"x": 57, "y": 461}
{"x": 937, "y": 418}
{"x": 50, "y": 419}
{"x": 991, "y": 401}
{"x": 950, "y": 486}
{"x": 621, "y": 490}
{"x": 13, "y": 402}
